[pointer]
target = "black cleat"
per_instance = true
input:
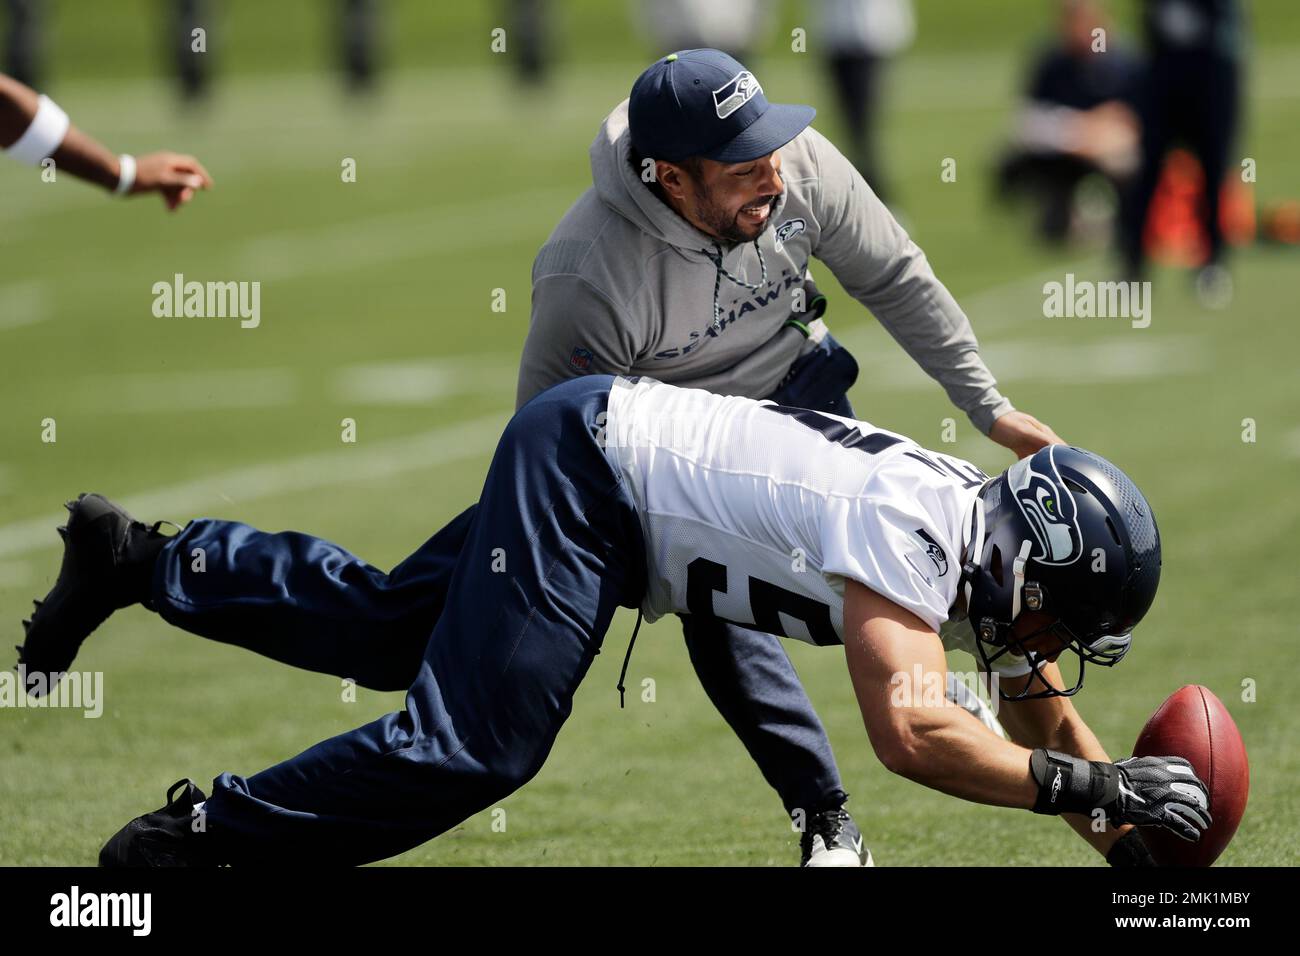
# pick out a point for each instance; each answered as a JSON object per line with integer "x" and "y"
{"x": 831, "y": 838}
{"x": 108, "y": 560}
{"x": 171, "y": 836}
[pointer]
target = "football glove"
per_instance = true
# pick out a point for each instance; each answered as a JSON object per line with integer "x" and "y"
{"x": 1144, "y": 791}
{"x": 1161, "y": 791}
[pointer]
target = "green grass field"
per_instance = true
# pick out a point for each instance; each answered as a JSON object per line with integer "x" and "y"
{"x": 376, "y": 305}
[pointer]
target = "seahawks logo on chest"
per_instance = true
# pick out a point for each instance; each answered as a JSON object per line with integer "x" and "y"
{"x": 789, "y": 229}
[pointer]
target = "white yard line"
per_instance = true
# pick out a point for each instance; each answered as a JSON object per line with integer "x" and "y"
{"x": 413, "y": 382}
{"x": 354, "y": 463}
{"x": 422, "y": 382}
{"x": 192, "y": 390}
{"x": 410, "y": 234}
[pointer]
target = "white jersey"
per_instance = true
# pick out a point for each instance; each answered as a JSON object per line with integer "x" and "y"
{"x": 756, "y": 513}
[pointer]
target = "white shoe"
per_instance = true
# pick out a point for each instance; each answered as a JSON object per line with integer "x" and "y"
{"x": 833, "y": 839}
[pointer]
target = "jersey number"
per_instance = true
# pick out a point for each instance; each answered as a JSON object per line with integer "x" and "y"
{"x": 767, "y": 602}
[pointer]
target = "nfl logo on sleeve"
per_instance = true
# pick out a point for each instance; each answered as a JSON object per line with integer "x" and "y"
{"x": 580, "y": 359}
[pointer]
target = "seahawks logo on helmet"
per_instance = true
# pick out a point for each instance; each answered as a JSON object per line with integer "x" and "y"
{"x": 1048, "y": 506}
{"x": 735, "y": 93}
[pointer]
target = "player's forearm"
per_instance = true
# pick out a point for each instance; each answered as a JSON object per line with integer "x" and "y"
{"x": 947, "y": 749}
{"x": 955, "y": 754}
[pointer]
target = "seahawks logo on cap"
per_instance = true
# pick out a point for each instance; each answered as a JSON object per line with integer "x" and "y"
{"x": 1048, "y": 507}
{"x": 735, "y": 93}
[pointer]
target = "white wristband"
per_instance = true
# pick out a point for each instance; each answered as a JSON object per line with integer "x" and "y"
{"x": 125, "y": 175}
{"x": 43, "y": 136}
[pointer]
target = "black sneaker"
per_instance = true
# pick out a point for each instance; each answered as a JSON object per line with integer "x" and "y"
{"x": 831, "y": 838}
{"x": 108, "y": 560}
{"x": 171, "y": 836}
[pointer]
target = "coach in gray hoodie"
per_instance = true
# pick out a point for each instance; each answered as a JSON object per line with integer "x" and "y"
{"x": 688, "y": 262}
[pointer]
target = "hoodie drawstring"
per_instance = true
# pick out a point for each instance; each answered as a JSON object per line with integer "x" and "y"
{"x": 719, "y": 271}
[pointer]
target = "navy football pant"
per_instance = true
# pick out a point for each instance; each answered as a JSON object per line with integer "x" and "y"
{"x": 308, "y": 603}
{"x": 505, "y": 648}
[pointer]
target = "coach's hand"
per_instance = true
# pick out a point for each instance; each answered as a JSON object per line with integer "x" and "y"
{"x": 1161, "y": 791}
{"x": 1023, "y": 434}
{"x": 176, "y": 176}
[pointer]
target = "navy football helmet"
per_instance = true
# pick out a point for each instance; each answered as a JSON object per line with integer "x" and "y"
{"x": 1065, "y": 533}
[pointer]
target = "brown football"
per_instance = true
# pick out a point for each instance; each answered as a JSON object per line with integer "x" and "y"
{"x": 1194, "y": 724}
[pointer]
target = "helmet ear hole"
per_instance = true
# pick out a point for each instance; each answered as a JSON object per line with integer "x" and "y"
{"x": 995, "y": 564}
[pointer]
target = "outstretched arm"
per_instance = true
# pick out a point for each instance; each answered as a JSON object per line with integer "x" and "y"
{"x": 926, "y": 738}
{"x": 38, "y": 128}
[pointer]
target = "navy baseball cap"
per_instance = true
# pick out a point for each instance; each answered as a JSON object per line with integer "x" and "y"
{"x": 705, "y": 103}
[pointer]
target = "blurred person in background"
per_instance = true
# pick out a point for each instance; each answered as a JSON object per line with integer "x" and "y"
{"x": 360, "y": 24}
{"x": 24, "y": 52}
{"x": 357, "y": 28}
{"x": 1077, "y": 121}
{"x": 858, "y": 38}
{"x": 193, "y": 68}
{"x": 33, "y": 128}
{"x": 1191, "y": 95}
{"x": 528, "y": 26}
{"x": 736, "y": 27}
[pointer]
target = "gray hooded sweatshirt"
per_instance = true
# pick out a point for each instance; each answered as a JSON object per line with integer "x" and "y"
{"x": 625, "y": 285}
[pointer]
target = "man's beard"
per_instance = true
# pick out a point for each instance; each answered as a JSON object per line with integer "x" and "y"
{"x": 731, "y": 229}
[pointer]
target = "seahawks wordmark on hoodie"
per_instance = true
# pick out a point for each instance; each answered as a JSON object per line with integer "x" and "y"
{"x": 624, "y": 285}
